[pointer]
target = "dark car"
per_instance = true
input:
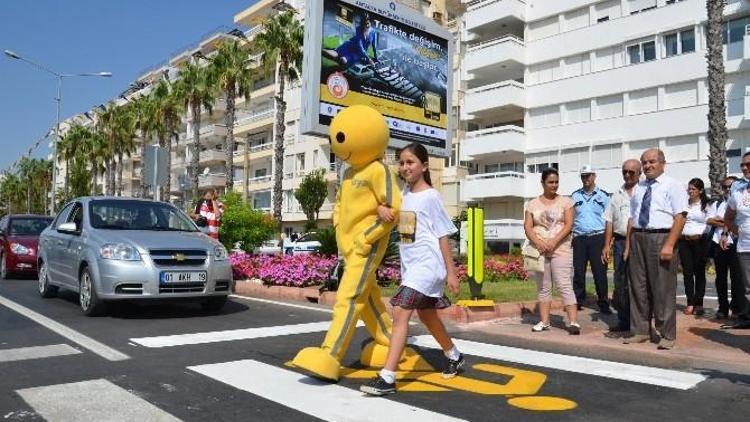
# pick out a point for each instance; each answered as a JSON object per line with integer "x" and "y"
{"x": 19, "y": 243}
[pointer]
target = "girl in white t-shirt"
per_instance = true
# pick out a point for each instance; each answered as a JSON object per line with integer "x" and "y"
{"x": 426, "y": 265}
{"x": 693, "y": 247}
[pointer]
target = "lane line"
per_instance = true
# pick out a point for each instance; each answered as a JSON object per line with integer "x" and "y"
{"x": 679, "y": 380}
{"x": 37, "y": 352}
{"x": 95, "y": 400}
{"x": 82, "y": 340}
{"x": 232, "y": 335}
{"x": 274, "y": 302}
{"x": 316, "y": 398}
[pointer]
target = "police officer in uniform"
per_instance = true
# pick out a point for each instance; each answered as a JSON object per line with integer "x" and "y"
{"x": 590, "y": 202}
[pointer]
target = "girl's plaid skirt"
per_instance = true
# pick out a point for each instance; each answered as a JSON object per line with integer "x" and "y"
{"x": 408, "y": 298}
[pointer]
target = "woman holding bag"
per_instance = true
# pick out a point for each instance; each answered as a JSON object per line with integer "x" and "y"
{"x": 548, "y": 222}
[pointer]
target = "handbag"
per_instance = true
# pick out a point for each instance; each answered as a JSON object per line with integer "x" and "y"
{"x": 532, "y": 259}
{"x": 201, "y": 221}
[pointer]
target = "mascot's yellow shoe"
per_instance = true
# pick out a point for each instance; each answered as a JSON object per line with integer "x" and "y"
{"x": 318, "y": 363}
{"x": 374, "y": 355}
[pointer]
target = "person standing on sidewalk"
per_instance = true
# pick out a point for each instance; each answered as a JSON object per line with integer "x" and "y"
{"x": 588, "y": 239}
{"x": 547, "y": 223}
{"x": 693, "y": 247}
{"x": 725, "y": 261}
{"x": 737, "y": 222}
{"x": 657, "y": 216}
{"x": 617, "y": 216}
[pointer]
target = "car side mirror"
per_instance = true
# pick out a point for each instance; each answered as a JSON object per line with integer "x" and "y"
{"x": 68, "y": 227}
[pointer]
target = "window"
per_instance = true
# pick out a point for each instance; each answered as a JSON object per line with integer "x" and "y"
{"x": 536, "y": 163}
{"x": 609, "y": 107}
{"x": 544, "y": 28}
{"x": 636, "y": 6}
{"x": 734, "y": 30}
{"x": 680, "y": 95}
{"x": 579, "y": 111}
{"x": 605, "y": 59}
{"x": 607, "y": 10}
{"x": 683, "y": 148}
{"x": 545, "y": 116}
{"x": 576, "y": 19}
{"x": 642, "y": 52}
{"x": 643, "y": 101}
{"x": 607, "y": 156}
{"x": 573, "y": 158}
{"x": 679, "y": 42}
{"x": 734, "y": 158}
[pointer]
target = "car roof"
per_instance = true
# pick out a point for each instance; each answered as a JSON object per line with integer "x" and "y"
{"x": 29, "y": 216}
{"x": 87, "y": 199}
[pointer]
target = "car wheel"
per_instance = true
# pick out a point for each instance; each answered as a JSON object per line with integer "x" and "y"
{"x": 214, "y": 304}
{"x": 45, "y": 289}
{"x": 3, "y": 267}
{"x": 90, "y": 303}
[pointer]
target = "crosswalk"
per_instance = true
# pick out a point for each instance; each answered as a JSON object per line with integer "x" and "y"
{"x": 94, "y": 399}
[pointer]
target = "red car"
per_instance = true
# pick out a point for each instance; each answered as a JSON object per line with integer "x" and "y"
{"x": 19, "y": 241}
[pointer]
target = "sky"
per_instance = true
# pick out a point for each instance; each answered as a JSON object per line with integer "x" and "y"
{"x": 124, "y": 37}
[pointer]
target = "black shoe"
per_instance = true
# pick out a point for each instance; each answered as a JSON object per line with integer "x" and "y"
{"x": 721, "y": 315}
{"x": 737, "y": 325}
{"x": 378, "y": 387}
{"x": 454, "y": 367}
{"x": 605, "y": 310}
{"x": 619, "y": 329}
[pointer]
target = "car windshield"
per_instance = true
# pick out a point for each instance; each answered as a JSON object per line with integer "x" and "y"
{"x": 28, "y": 226}
{"x": 310, "y": 237}
{"x": 138, "y": 215}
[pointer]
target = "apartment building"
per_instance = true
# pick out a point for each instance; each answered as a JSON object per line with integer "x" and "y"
{"x": 566, "y": 83}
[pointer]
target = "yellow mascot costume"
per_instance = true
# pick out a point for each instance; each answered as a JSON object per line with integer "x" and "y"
{"x": 358, "y": 135}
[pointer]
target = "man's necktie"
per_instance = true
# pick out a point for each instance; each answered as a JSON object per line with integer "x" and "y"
{"x": 643, "y": 216}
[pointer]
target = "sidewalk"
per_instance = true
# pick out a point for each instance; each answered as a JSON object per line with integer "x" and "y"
{"x": 701, "y": 344}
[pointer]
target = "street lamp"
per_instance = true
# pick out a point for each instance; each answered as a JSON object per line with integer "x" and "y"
{"x": 58, "y": 99}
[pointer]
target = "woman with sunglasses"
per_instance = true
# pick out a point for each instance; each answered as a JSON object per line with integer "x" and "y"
{"x": 693, "y": 247}
{"x": 726, "y": 262}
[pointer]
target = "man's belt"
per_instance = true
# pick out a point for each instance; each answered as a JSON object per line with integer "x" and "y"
{"x": 691, "y": 237}
{"x": 594, "y": 233}
{"x": 639, "y": 230}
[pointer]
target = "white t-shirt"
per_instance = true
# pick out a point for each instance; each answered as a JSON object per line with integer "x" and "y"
{"x": 739, "y": 200}
{"x": 695, "y": 223}
{"x": 422, "y": 222}
{"x": 715, "y": 211}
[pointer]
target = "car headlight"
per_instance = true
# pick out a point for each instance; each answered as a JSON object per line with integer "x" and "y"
{"x": 220, "y": 253}
{"x": 119, "y": 251}
{"x": 19, "y": 249}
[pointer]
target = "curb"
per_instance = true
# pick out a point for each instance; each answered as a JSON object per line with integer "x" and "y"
{"x": 454, "y": 313}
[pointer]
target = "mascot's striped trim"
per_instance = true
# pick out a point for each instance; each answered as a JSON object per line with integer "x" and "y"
{"x": 348, "y": 321}
{"x": 378, "y": 317}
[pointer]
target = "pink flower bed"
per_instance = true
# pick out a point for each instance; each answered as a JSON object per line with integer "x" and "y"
{"x": 283, "y": 270}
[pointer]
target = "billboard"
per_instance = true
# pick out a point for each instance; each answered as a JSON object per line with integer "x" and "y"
{"x": 384, "y": 55}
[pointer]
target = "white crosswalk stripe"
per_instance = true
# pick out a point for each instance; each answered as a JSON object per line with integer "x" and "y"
{"x": 95, "y": 400}
{"x": 36, "y": 352}
{"x": 316, "y": 398}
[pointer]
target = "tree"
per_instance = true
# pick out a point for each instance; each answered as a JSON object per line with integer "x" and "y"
{"x": 12, "y": 191}
{"x": 281, "y": 39}
{"x": 196, "y": 89}
{"x": 717, "y": 109}
{"x": 235, "y": 79}
{"x": 311, "y": 194}
{"x": 243, "y": 224}
{"x": 144, "y": 109}
{"x": 169, "y": 108}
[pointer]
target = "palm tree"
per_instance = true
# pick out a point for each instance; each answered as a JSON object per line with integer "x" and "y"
{"x": 281, "y": 40}
{"x": 235, "y": 78}
{"x": 107, "y": 125}
{"x": 169, "y": 107}
{"x": 12, "y": 191}
{"x": 196, "y": 88}
{"x": 125, "y": 144}
{"x": 26, "y": 170}
{"x": 145, "y": 121}
{"x": 717, "y": 117}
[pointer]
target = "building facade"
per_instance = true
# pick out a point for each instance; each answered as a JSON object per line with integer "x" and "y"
{"x": 568, "y": 83}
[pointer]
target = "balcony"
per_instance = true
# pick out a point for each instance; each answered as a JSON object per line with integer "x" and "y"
{"x": 494, "y": 185}
{"x": 492, "y": 142}
{"x": 482, "y": 13}
{"x": 212, "y": 156}
{"x": 253, "y": 121}
{"x": 505, "y": 55}
{"x": 212, "y": 180}
{"x": 494, "y": 98}
{"x": 211, "y": 133}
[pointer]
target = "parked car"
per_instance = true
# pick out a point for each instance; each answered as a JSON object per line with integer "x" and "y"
{"x": 269, "y": 247}
{"x": 307, "y": 243}
{"x": 110, "y": 248}
{"x": 19, "y": 241}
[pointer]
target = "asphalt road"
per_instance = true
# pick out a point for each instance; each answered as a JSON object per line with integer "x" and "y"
{"x": 175, "y": 362}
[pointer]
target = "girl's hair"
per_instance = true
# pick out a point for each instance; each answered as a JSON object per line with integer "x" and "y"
{"x": 697, "y": 183}
{"x": 421, "y": 153}
{"x": 547, "y": 172}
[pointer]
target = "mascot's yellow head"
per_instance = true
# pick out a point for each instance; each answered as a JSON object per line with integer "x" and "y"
{"x": 359, "y": 135}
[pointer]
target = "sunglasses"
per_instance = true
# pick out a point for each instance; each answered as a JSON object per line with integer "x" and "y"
{"x": 726, "y": 186}
{"x": 628, "y": 172}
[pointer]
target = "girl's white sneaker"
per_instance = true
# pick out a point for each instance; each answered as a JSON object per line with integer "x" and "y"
{"x": 539, "y": 327}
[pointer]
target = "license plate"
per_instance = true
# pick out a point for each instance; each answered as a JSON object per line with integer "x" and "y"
{"x": 182, "y": 277}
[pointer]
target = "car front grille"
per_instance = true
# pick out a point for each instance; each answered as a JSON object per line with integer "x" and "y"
{"x": 178, "y": 257}
{"x": 182, "y": 288}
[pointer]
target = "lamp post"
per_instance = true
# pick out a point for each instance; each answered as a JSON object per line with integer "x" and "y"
{"x": 58, "y": 99}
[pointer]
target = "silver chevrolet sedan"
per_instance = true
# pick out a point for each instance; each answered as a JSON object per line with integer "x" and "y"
{"x": 112, "y": 248}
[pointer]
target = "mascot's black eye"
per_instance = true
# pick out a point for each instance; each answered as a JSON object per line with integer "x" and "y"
{"x": 340, "y": 137}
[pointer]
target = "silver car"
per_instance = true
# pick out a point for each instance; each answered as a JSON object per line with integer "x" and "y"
{"x": 109, "y": 248}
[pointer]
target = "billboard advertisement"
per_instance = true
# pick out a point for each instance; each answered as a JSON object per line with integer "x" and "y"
{"x": 384, "y": 55}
